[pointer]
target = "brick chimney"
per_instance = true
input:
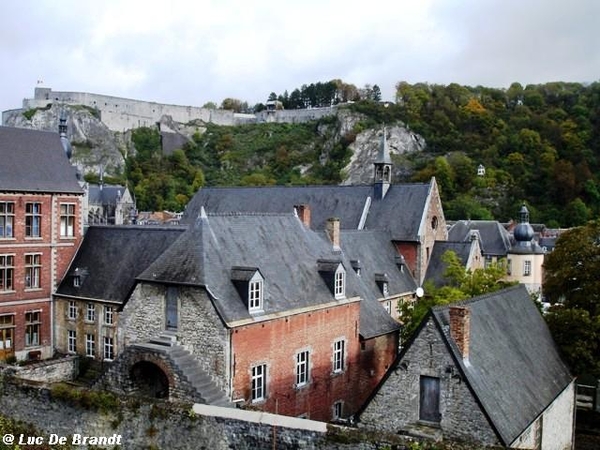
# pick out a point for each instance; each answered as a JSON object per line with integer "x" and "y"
{"x": 460, "y": 328}
{"x": 303, "y": 212}
{"x": 332, "y": 227}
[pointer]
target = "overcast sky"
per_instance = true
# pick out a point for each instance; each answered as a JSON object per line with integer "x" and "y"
{"x": 192, "y": 52}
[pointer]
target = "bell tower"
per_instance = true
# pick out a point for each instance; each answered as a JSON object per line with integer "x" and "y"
{"x": 383, "y": 169}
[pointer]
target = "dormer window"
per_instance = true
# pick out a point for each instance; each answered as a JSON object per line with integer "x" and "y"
{"x": 383, "y": 282}
{"x": 249, "y": 283}
{"x": 255, "y": 293}
{"x": 76, "y": 281}
{"x": 340, "y": 282}
{"x": 334, "y": 275}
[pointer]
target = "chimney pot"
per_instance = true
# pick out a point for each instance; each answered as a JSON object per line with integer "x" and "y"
{"x": 460, "y": 328}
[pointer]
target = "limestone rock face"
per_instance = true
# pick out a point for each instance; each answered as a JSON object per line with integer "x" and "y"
{"x": 95, "y": 147}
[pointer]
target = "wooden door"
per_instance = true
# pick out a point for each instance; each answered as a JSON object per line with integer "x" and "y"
{"x": 429, "y": 399}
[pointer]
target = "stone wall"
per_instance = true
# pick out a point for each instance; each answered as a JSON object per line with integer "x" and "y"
{"x": 48, "y": 371}
{"x": 143, "y": 425}
{"x": 461, "y": 417}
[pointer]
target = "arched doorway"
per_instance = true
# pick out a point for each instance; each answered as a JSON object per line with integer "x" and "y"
{"x": 149, "y": 380}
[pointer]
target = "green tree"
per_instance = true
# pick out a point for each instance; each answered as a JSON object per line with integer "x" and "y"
{"x": 571, "y": 281}
{"x": 461, "y": 284}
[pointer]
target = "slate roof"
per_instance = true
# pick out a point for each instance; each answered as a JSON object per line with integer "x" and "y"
{"x": 112, "y": 256}
{"x": 376, "y": 255}
{"x": 35, "y": 161}
{"x": 284, "y": 251}
{"x": 514, "y": 367}
{"x": 494, "y": 239}
{"x": 400, "y": 212}
{"x": 437, "y": 267}
{"x": 106, "y": 196}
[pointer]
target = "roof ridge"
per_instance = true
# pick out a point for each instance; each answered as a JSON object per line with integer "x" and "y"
{"x": 251, "y": 213}
{"x": 475, "y": 299}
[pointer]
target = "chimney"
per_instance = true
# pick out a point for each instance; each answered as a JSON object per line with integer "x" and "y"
{"x": 460, "y": 328}
{"x": 332, "y": 227}
{"x": 303, "y": 213}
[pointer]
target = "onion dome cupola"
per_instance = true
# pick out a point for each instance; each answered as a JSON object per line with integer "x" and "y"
{"x": 383, "y": 169}
{"x": 523, "y": 232}
{"x": 62, "y": 131}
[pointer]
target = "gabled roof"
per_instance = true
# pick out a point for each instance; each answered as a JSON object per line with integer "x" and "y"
{"x": 514, "y": 368}
{"x": 436, "y": 267}
{"x": 35, "y": 161}
{"x": 105, "y": 195}
{"x": 494, "y": 239}
{"x": 278, "y": 245}
{"x": 112, "y": 256}
{"x": 400, "y": 212}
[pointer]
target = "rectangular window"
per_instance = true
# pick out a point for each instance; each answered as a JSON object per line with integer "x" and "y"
{"x": 339, "y": 355}
{"x": 337, "y": 410}
{"x": 72, "y": 341}
{"x": 7, "y": 219}
{"x": 339, "y": 284}
{"x": 7, "y": 331}
{"x": 7, "y": 272}
{"x": 259, "y": 382}
{"x": 67, "y": 220}
{"x": 33, "y": 219}
{"x": 90, "y": 345}
{"x": 109, "y": 348}
{"x": 526, "y": 268}
{"x": 90, "y": 315}
{"x": 488, "y": 261}
{"x": 255, "y": 296}
{"x": 33, "y": 268}
{"x": 302, "y": 368}
{"x": 509, "y": 267}
{"x": 108, "y": 315}
{"x": 32, "y": 328}
{"x": 72, "y": 310}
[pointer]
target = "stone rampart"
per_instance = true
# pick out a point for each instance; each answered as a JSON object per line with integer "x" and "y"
{"x": 120, "y": 114}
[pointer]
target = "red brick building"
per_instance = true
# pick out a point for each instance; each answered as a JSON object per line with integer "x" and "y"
{"x": 40, "y": 230}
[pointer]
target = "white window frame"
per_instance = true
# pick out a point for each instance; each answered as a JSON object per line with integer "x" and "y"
{"x": 32, "y": 328}
{"x": 109, "y": 313}
{"x": 33, "y": 270}
{"x": 258, "y": 384}
{"x": 72, "y": 309}
{"x": 90, "y": 313}
{"x": 339, "y": 282}
{"x": 109, "y": 348}
{"x": 526, "y": 268}
{"x": 302, "y": 368}
{"x": 33, "y": 220}
{"x": 255, "y": 293}
{"x": 339, "y": 356}
{"x": 67, "y": 219}
{"x": 7, "y": 220}
{"x": 72, "y": 341}
{"x": 90, "y": 345}
{"x": 7, "y": 273}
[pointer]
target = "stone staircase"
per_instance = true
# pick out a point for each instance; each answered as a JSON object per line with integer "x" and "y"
{"x": 188, "y": 369}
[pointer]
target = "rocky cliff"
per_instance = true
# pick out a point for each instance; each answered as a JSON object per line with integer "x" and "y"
{"x": 96, "y": 148}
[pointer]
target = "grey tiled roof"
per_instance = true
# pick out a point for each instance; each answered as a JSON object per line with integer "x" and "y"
{"x": 437, "y": 267}
{"x": 400, "y": 212}
{"x": 377, "y": 256}
{"x": 495, "y": 240}
{"x": 35, "y": 161}
{"x": 284, "y": 251}
{"x": 106, "y": 196}
{"x": 112, "y": 256}
{"x": 514, "y": 367}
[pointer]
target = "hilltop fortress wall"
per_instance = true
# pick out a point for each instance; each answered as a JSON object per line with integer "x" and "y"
{"x": 120, "y": 114}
